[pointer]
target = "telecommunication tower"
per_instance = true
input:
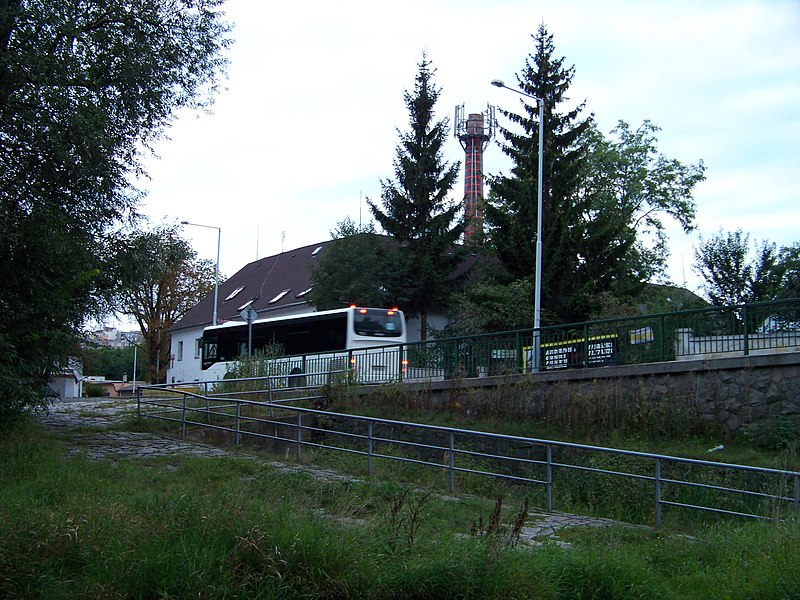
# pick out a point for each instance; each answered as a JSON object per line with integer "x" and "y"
{"x": 474, "y": 133}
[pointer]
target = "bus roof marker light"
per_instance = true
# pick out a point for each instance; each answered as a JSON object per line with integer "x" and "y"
{"x": 363, "y": 311}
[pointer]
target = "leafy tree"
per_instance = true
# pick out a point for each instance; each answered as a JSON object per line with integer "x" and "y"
{"x": 488, "y": 306}
{"x": 736, "y": 272}
{"x": 790, "y": 261}
{"x": 416, "y": 211}
{"x": 113, "y": 363}
{"x": 351, "y": 269}
{"x": 163, "y": 280}
{"x": 85, "y": 88}
{"x": 602, "y": 199}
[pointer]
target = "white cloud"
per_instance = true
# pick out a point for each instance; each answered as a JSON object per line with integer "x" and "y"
{"x": 307, "y": 126}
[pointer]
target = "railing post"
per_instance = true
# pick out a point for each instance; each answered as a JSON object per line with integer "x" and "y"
{"x": 517, "y": 353}
{"x": 299, "y": 433}
{"x": 208, "y": 404}
{"x": 797, "y": 494}
{"x": 663, "y": 341}
{"x": 400, "y": 354}
{"x": 452, "y": 465}
{"x": 369, "y": 449}
{"x": 238, "y": 421}
{"x": 351, "y": 367}
{"x": 549, "y": 478}
{"x": 183, "y": 418}
{"x": 746, "y": 331}
{"x": 658, "y": 492}
{"x": 586, "y": 345}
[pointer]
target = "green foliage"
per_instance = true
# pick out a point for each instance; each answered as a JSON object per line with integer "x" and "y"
{"x": 734, "y": 273}
{"x": 113, "y": 363}
{"x": 779, "y": 433}
{"x": 491, "y": 306}
{"x": 85, "y": 88}
{"x": 602, "y": 202}
{"x": 94, "y": 390}
{"x": 161, "y": 279}
{"x": 229, "y": 528}
{"x": 416, "y": 211}
{"x": 353, "y": 269}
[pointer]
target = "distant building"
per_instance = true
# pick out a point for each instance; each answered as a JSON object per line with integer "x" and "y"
{"x": 111, "y": 337}
{"x": 68, "y": 382}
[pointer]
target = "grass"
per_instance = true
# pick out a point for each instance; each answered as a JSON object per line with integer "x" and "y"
{"x": 233, "y": 528}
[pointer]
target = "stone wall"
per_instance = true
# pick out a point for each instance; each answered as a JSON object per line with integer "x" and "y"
{"x": 691, "y": 396}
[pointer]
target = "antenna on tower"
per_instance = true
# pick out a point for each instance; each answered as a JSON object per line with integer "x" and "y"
{"x": 474, "y": 133}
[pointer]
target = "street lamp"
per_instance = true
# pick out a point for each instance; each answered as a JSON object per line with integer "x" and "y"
{"x": 537, "y": 310}
{"x": 216, "y": 277}
{"x": 135, "y": 346}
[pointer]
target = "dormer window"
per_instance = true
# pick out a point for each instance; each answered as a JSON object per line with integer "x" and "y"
{"x": 233, "y": 294}
{"x": 246, "y": 304}
{"x": 279, "y": 296}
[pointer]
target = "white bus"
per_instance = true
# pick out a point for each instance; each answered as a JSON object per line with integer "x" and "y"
{"x": 366, "y": 342}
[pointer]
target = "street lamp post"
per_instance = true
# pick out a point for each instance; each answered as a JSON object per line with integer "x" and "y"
{"x": 537, "y": 310}
{"x": 135, "y": 346}
{"x": 216, "y": 276}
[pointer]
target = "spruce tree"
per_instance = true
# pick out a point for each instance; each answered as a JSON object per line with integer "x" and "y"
{"x": 416, "y": 210}
{"x": 511, "y": 212}
{"x": 602, "y": 200}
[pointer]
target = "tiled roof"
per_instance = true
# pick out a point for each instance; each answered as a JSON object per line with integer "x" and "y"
{"x": 268, "y": 284}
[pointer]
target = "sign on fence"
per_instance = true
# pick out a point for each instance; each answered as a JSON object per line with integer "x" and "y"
{"x": 597, "y": 351}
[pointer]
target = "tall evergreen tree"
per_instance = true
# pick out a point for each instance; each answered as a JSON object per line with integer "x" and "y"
{"x": 511, "y": 212}
{"x": 416, "y": 210}
{"x": 603, "y": 200}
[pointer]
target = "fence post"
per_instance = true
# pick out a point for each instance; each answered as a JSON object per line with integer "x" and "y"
{"x": 351, "y": 367}
{"x": 663, "y": 341}
{"x": 238, "y": 421}
{"x": 658, "y": 492}
{"x": 549, "y": 478}
{"x": 746, "y": 331}
{"x": 183, "y": 418}
{"x": 369, "y": 449}
{"x": 139, "y": 403}
{"x": 299, "y": 433}
{"x": 586, "y": 345}
{"x": 208, "y": 405}
{"x": 452, "y": 463}
{"x": 797, "y": 494}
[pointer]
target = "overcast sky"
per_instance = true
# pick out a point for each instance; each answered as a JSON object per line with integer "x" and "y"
{"x": 305, "y": 126}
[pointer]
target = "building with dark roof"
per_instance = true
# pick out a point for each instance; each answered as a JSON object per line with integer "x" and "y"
{"x": 275, "y": 286}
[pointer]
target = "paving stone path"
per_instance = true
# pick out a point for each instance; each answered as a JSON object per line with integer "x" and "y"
{"x": 86, "y": 426}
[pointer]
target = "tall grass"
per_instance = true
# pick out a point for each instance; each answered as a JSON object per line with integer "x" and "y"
{"x": 231, "y": 528}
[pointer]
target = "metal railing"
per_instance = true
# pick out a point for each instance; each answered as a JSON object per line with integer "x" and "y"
{"x": 722, "y": 488}
{"x": 743, "y": 330}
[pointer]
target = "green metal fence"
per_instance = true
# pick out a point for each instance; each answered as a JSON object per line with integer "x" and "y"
{"x": 743, "y": 330}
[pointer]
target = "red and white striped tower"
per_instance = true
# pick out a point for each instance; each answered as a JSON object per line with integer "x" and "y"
{"x": 474, "y": 133}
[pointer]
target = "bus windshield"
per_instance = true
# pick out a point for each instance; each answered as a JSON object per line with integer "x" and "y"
{"x": 377, "y": 322}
